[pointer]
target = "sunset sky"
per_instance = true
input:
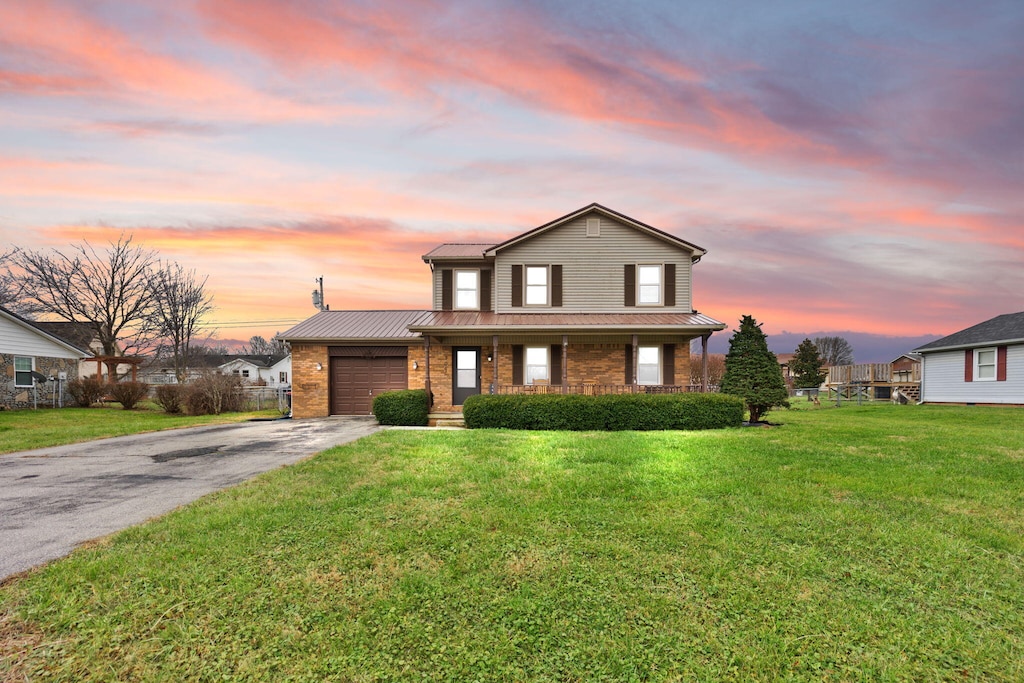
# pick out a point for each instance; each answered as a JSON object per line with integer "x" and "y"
{"x": 848, "y": 166}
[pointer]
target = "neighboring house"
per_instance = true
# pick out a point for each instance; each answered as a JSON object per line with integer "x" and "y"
{"x": 983, "y": 364}
{"x": 269, "y": 370}
{"x": 29, "y": 356}
{"x": 592, "y": 302}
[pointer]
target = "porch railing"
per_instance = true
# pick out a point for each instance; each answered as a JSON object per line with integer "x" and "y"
{"x": 596, "y": 389}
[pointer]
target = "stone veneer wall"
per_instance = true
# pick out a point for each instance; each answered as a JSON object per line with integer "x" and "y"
{"x": 21, "y": 397}
{"x": 310, "y": 387}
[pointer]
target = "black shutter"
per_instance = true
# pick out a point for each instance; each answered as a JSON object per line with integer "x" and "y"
{"x": 670, "y": 285}
{"x": 517, "y": 364}
{"x": 446, "y": 289}
{"x": 485, "y": 290}
{"x": 630, "y": 285}
{"x": 517, "y": 287}
{"x": 556, "y": 364}
{"x": 556, "y": 285}
{"x": 668, "y": 364}
{"x": 629, "y": 363}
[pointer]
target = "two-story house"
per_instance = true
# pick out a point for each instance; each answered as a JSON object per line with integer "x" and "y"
{"x": 592, "y": 302}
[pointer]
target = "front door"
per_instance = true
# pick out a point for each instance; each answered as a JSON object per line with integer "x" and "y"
{"x": 466, "y": 374}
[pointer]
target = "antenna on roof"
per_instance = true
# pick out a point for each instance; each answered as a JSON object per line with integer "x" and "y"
{"x": 318, "y": 295}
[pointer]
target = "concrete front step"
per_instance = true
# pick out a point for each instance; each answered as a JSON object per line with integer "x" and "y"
{"x": 445, "y": 420}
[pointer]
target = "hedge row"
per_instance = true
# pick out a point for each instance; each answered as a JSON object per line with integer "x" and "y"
{"x": 407, "y": 408}
{"x": 613, "y": 412}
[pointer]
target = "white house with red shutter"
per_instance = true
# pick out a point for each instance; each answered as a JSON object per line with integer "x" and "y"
{"x": 983, "y": 364}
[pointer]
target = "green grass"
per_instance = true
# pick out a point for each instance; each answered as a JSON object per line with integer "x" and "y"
{"x": 26, "y": 429}
{"x": 874, "y": 543}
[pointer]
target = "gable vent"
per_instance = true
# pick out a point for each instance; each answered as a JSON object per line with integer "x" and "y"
{"x": 593, "y": 227}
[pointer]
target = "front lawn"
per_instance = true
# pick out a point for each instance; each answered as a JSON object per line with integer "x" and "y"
{"x": 874, "y": 543}
{"x": 25, "y": 429}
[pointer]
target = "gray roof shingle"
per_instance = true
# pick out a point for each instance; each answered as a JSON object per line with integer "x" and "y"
{"x": 1008, "y": 327}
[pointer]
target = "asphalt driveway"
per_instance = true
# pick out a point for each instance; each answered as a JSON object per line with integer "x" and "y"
{"x": 53, "y": 499}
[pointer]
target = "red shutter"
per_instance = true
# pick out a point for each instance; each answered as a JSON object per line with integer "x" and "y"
{"x": 1001, "y": 364}
{"x": 517, "y": 286}
{"x": 969, "y": 365}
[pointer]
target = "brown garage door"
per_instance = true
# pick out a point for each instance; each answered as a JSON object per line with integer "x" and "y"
{"x": 355, "y": 381}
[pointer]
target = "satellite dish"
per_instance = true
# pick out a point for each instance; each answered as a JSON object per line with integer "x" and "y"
{"x": 39, "y": 377}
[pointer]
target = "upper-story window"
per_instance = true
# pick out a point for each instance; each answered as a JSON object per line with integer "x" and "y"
{"x": 23, "y": 371}
{"x": 985, "y": 365}
{"x": 536, "y": 285}
{"x": 648, "y": 285}
{"x": 467, "y": 289}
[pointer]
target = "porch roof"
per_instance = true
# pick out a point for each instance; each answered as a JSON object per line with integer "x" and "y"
{"x": 482, "y": 321}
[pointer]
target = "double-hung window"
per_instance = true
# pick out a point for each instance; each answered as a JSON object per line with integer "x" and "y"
{"x": 23, "y": 371}
{"x": 648, "y": 365}
{"x": 536, "y": 285}
{"x": 537, "y": 364}
{"x": 984, "y": 365}
{"x": 648, "y": 285}
{"x": 467, "y": 289}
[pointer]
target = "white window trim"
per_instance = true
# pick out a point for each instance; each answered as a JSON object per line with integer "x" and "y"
{"x": 978, "y": 365}
{"x": 658, "y": 376}
{"x": 475, "y": 290}
{"x": 661, "y": 284}
{"x": 527, "y": 285}
{"x": 527, "y": 379}
{"x": 32, "y": 368}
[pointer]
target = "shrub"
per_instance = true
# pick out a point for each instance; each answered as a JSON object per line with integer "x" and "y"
{"x": 407, "y": 408}
{"x": 85, "y": 392}
{"x": 213, "y": 394}
{"x": 170, "y": 397}
{"x": 611, "y": 412}
{"x": 128, "y": 393}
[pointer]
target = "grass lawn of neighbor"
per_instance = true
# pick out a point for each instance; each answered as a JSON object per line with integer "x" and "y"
{"x": 26, "y": 429}
{"x": 858, "y": 543}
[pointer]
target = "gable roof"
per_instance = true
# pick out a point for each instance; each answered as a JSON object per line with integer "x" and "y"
{"x": 34, "y": 327}
{"x": 80, "y": 335}
{"x": 1002, "y": 329}
{"x": 697, "y": 252}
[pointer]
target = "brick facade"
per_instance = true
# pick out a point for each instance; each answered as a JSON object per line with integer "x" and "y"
{"x": 311, "y": 388}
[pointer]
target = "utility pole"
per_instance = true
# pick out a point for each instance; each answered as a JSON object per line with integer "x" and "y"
{"x": 318, "y": 295}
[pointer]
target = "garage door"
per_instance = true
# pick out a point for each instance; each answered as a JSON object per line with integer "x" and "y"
{"x": 355, "y": 381}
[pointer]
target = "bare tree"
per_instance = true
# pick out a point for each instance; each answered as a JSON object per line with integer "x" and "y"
{"x": 109, "y": 291}
{"x": 180, "y": 304}
{"x": 716, "y": 368}
{"x": 834, "y": 350}
{"x": 258, "y": 346}
{"x": 12, "y": 287}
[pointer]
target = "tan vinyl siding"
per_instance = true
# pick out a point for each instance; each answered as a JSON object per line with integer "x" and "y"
{"x": 460, "y": 265}
{"x": 587, "y": 287}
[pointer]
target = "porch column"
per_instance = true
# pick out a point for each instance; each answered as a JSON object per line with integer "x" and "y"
{"x": 426, "y": 372}
{"x": 565, "y": 362}
{"x": 704, "y": 362}
{"x": 636, "y": 360}
{"x": 494, "y": 361}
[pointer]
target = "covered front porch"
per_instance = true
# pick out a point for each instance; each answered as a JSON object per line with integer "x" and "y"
{"x": 565, "y": 354}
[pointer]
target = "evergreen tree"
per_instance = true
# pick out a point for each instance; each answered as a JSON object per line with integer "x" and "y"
{"x": 806, "y": 365}
{"x": 752, "y": 371}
